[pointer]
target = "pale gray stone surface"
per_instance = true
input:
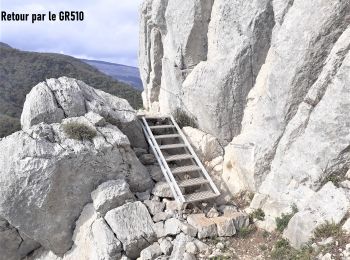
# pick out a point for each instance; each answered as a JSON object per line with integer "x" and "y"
{"x": 179, "y": 249}
{"x": 205, "y": 226}
{"x": 151, "y": 252}
{"x": 328, "y": 204}
{"x": 172, "y": 226}
{"x": 154, "y": 207}
{"x": 203, "y": 57}
{"x": 133, "y": 226}
{"x": 55, "y": 99}
{"x": 225, "y": 226}
{"x": 162, "y": 189}
{"x": 13, "y": 245}
{"x": 206, "y": 146}
{"x": 188, "y": 229}
{"x": 110, "y": 195}
{"x": 41, "y": 169}
{"x": 166, "y": 246}
{"x": 93, "y": 240}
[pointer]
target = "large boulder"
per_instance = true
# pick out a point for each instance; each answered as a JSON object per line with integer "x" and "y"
{"x": 46, "y": 177}
{"x": 133, "y": 226}
{"x": 111, "y": 194}
{"x": 55, "y": 99}
{"x": 327, "y": 205}
{"x": 205, "y": 145}
{"x": 93, "y": 240}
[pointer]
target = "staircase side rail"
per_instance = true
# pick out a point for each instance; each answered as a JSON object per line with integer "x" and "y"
{"x": 160, "y": 156}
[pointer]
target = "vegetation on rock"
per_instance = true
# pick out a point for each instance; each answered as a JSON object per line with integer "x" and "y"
{"x": 183, "y": 119}
{"x": 79, "y": 131}
{"x": 282, "y": 222}
{"x": 257, "y": 214}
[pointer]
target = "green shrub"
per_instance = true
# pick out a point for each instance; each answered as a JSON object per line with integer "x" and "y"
{"x": 183, "y": 119}
{"x": 328, "y": 229}
{"x": 282, "y": 222}
{"x": 257, "y": 214}
{"x": 283, "y": 251}
{"x": 79, "y": 131}
{"x": 246, "y": 231}
{"x": 334, "y": 178}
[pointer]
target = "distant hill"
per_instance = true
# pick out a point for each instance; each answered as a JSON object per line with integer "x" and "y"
{"x": 126, "y": 74}
{"x": 22, "y": 70}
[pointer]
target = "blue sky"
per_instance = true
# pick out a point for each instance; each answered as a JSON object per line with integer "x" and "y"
{"x": 109, "y": 31}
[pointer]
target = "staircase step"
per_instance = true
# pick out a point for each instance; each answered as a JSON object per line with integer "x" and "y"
{"x": 184, "y": 169}
{"x": 172, "y": 146}
{"x": 161, "y": 126}
{"x": 167, "y": 136}
{"x": 192, "y": 182}
{"x": 178, "y": 157}
{"x": 156, "y": 117}
{"x": 198, "y": 196}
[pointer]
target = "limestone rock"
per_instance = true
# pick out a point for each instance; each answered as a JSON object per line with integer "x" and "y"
{"x": 179, "y": 249}
{"x": 133, "y": 226}
{"x": 172, "y": 226}
{"x": 328, "y": 204}
{"x": 190, "y": 52}
{"x": 151, "y": 252}
{"x": 172, "y": 205}
{"x": 212, "y": 213}
{"x": 154, "y": 207}
{"x": 14, "y": 246}
{"x": 225, "y": 226}
{"x": 146, "y": 195}
{"x": 95, "y": 119}
{"x": 165, "y": 245}
{"x": 346, "y": 226}
{"x": 162, "y": 216}
{"x": 93, "y": 240}
{"x": 189, "y": 230}
{"x": 271, "y": 140}
{"x": 147, "y": 159}
{"x": 156, "y": 173}
{"x": 41, "y": 169}
{"x": 191, "y": 248}
{"x": 240, "y": 219}
{"x": 55, "y": 99}
{"x": 107, "y": 245}
{"x": 159, "y": 229}
{"x": 205, "y": 145}
{"x": 162, "y": 189}
{"x": 205, "y": 226}
{"x": 110, "y": 195}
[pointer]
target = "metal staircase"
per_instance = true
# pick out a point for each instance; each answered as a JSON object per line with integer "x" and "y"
{"x": 185, "y": 174}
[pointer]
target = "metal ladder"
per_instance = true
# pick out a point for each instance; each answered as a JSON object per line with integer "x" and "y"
{"x": 188, "y": 179}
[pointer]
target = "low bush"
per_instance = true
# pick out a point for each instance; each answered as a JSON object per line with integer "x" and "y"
{"x": 183, "y": 119}
{"x": 257, "y": 214}
{"x": 246, "y": 231}
{"x": 282, "y": 250}
{"x": 328, "y": 229}
{"x": 282, "y": 222}
{"x": 79, "y": 131}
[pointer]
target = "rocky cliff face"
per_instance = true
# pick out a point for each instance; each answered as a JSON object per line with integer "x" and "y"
{"x": 270, "y": 79}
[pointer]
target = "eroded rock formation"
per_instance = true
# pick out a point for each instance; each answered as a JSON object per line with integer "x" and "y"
{"x": 271, "y": 82}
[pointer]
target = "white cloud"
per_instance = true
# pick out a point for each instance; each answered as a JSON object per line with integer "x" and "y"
{"x": 109, "y": 31}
